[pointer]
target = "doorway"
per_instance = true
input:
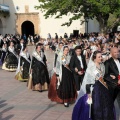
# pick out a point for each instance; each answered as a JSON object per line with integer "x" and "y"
{"x": 27, "y": 28}
{"x": 75, "y": 33}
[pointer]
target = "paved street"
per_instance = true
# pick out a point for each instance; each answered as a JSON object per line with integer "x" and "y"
{"x": 19, "y": 103}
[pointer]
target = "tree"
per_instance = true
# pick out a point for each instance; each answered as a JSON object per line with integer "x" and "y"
{"x": 116, "y": 26}
{"x": 113, "y": 22}
{"x": 90, "y": 9}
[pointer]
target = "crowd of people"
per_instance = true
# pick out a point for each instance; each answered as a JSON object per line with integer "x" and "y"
{"x": 86, "y": 70}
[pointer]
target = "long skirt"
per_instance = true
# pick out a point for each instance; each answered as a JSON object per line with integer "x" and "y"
{"x": 40, "y": 76}
{"x": 52, "y": 92}
{"x": 67, "y": 90}
{"x": 10, "y": 63}
{"x": 102, "y": 107}
{"x": 25, "y": 72}
{"x": 81, "y": 109}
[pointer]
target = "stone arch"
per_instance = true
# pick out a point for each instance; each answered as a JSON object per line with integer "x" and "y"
{"x": 32, "y": 17}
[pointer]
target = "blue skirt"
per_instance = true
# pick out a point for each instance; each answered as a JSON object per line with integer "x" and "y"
{"x": 101, "y": 109}
{"x": 81, "y": 109}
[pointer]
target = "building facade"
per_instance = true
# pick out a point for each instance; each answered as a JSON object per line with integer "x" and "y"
{"x": 25, "y": 19}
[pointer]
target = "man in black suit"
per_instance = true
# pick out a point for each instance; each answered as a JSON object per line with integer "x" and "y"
{"x": 78, "y": 66}
{"x": 112, "y": 72}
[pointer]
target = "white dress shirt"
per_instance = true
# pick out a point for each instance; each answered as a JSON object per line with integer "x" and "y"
{"x": 80, "y": 59}
{"x": 118, "y": 65}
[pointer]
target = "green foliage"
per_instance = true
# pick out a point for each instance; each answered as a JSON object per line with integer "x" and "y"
{"x": 115, "y": 26}
{"x": 99, "y": 9}
{"x": 112, "y": 21}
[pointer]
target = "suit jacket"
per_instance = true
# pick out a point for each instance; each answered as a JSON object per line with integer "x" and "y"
{"x": 71, "y": 52}
{"x": 75, "y": 63}
{"x": 111, "y": 69}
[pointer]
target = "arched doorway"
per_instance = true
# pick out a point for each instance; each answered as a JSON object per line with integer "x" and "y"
{"x": 27, "y": 28}
{"x": 1, "y": 27}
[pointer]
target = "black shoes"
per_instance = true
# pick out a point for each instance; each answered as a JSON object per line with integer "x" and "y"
{"x": 66, "y": 104}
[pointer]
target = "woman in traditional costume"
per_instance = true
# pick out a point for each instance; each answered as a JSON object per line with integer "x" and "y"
{"x": 65, "y": 85}
{"x": 53, "y": 81}
{"x": 22, "y": 72}
{"x": 3, "y": 53}
{"x": 58, "y": 50}
{"x": 19, "y": 47}
{"x": 94, "y": 101}
{"x": 11, "y": 59}
{"x": 40, "y": 76}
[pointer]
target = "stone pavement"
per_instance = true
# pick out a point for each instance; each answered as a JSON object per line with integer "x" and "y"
{"x": 19, "y": 103}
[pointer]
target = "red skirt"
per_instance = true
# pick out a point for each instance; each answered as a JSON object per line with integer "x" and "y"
{"x": 52, "y": 92}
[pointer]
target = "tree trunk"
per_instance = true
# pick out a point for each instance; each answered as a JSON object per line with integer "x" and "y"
{"x": 102, "y": 19}
{"x": 103, "y": 28}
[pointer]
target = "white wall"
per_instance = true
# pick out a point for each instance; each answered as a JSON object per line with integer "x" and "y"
{"x": 10, "y": 20}
{"x": 53, "y": 26}
{"x": 46, "y": 26}
{"x": 93, "y": 26}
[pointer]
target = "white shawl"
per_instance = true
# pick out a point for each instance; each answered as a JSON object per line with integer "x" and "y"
{"x": 26, "y": 56}
{"x": 39, "y": 57}
{"x": 12, "y": 51}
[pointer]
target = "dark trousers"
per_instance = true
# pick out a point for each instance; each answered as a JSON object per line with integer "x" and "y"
{"x": 78, "y": 81}
{"x": 114, "y": 91}
{"x": 115, "y": 94}
{"x": 118, "y": 99}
